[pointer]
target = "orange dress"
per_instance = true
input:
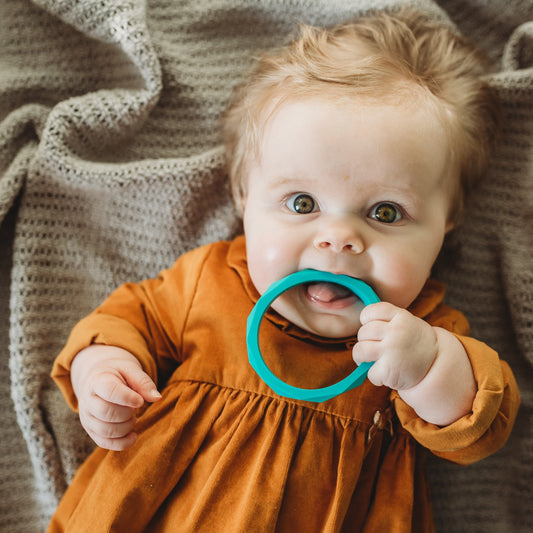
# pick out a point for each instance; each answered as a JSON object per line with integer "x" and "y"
{"x": 222, "y": 452}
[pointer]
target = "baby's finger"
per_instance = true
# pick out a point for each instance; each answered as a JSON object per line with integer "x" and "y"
{"x": 112, "y": 389}
{"x": 109, "y": 412}
{"x": 366, "y": 351}
{"x": 384, "y": 311}
{"x": 375, "y": 330}
{"x": 375, "y": 374}
{"x": 117, "y": 445}
{"x": 107, "y": 430}
{"x": 141, "y": 382}
{"x": 118, "y": 437}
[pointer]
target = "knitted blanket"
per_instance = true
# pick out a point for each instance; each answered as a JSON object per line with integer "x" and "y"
{"x": 110, "y": 167}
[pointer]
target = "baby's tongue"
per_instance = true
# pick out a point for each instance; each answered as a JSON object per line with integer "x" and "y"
{"x": 327, "y": 292}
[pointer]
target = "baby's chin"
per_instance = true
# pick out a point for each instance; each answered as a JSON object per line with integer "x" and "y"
{"x": 331, "y": 329}
{"x": 330, "y": 324}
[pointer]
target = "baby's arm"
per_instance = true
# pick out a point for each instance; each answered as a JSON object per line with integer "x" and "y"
{"x": 427, "y": 365}
{"x": 110, "y": 386}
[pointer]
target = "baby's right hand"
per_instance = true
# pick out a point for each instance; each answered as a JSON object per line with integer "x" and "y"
{"x": 110, "y": 386}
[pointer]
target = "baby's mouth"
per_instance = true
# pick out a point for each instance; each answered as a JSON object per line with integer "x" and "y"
{"x": 330, "y": 295}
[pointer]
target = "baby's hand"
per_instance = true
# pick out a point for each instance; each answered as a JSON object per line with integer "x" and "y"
{"x": 110, "y": 386}
{"x": 403, "y": 346}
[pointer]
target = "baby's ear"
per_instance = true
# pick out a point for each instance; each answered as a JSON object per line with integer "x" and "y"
{"x": 239, "y": 195}
{"x": 449, "y": 226}
{"x": 240, "y": 205}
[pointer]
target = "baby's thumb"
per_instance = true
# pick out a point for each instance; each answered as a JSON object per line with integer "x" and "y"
{"x": 141, "y": 383}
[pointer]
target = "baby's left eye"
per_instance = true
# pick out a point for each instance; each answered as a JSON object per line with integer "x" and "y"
{"x": 386, "y": 213}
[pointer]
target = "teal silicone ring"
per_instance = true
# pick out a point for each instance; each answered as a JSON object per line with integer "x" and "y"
{"x": 358, "y": 287}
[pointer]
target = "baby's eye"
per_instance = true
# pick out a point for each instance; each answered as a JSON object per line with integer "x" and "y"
{"x": 301, "y": 203}
{"x": 386, "y": 213}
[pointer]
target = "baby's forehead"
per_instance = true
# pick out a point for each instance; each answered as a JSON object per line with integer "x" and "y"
{"x": 403, "y": 96}
{"x": 403, "y": 118}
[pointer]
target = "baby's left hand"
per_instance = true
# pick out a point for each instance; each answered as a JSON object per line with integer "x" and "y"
{"x": 403, "y": 346}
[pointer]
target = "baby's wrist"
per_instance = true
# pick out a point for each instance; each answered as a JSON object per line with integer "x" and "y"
{"x": 447, "y": 391}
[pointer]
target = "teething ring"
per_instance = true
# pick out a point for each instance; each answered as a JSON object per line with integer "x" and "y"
{"x": 363, "y": 291}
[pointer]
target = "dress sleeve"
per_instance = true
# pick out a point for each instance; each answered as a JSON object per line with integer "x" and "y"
{"x": 146, "y": 319}
{"x": 487, "y": 427}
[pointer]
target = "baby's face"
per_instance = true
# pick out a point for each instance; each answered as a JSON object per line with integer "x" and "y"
{"x": 349, "y": 188}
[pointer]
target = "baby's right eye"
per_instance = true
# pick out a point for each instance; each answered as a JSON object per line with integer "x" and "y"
{"x": 301, "y": 203}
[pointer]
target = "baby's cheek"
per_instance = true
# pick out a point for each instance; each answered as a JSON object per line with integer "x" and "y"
{"x": 263, "y": 265}
{"x": 402, "y": 282}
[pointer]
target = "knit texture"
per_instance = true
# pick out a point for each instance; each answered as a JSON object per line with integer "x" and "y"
{"x": 109, "y": 139}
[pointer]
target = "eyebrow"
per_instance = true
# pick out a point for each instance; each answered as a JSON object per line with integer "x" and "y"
{"x": 284, "y": 181}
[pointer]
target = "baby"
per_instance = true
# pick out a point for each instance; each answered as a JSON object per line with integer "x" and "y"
{"x": 350, "y": 151}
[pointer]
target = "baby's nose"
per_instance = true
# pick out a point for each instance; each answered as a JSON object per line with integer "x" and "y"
{"x": 339, "y": 237}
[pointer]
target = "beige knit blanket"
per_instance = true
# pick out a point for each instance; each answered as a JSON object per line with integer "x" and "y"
{"x": 110, "y": 167}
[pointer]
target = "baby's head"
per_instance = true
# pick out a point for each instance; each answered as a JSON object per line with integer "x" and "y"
{"x": 381, "y": 58}
{"x": 351, "y": 151}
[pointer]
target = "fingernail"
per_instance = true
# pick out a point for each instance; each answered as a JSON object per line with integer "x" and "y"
{"x": 156, "y": 394}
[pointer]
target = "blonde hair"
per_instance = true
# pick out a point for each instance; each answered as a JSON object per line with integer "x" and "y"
{"x": 385, "y": 58}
